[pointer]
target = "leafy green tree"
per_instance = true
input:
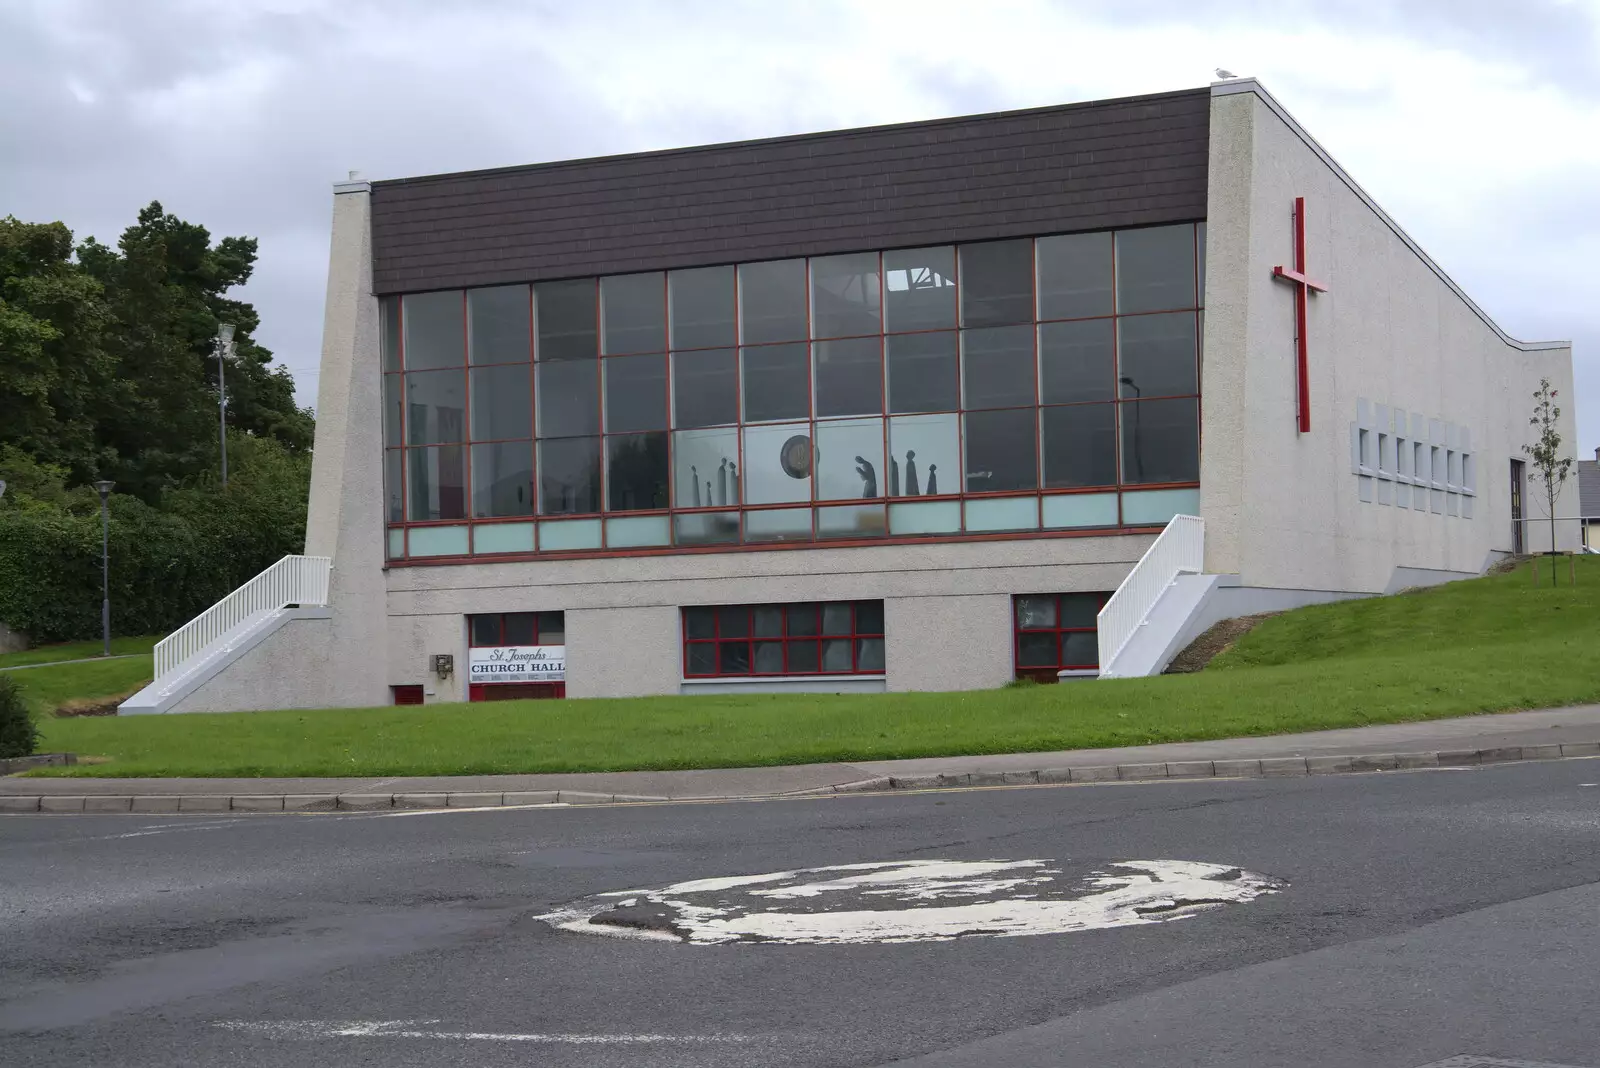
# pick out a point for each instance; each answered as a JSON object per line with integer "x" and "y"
{"x": 1550, "y": 468}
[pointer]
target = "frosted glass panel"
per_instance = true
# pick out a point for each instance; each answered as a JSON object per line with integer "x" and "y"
{"x": 438, "y": 541}
{"x": 930, "y": 517}
{"x": 638, "y": 530}
{"x": 1149, "y": 507}
{"x": 1003, "y": 513}
{"x": 569, "y": 534}
{"x": 1081, "y": 510}
{"x": 503, "y": 538}
{"x": 397, "y": 544}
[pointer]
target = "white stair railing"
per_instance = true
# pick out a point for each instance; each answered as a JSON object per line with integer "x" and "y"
{"x": 301, "y": 580}
{"x": 1180, "y": 549}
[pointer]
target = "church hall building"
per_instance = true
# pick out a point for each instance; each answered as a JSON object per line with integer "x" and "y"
{"x": 929, "y": 406}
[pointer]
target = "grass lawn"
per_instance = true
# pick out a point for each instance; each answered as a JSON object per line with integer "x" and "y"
{"x": 1494, "y": 644}
{"x": 45, "y": 688}
{"x": 49, "y": 654}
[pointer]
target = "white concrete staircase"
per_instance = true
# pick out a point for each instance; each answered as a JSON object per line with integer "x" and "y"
{"x": 1128, "y": 646}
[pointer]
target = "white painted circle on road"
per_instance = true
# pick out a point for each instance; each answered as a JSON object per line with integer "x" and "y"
{"x": 914, "y": 901}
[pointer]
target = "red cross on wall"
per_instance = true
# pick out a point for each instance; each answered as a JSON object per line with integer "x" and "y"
{"x": 1302, "y": 287}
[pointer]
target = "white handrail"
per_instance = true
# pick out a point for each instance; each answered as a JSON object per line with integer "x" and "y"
{"x": 301, "y": 580}
{"x": 1180, "y": 549}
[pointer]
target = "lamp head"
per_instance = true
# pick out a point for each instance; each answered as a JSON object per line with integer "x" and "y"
{"x": 104, "y": 486}
{"x": 225, "y": 333}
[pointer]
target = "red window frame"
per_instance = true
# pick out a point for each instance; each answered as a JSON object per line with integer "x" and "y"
{"x": 862, "y": 629}
{"x": 1047, "y": 672}
{"x": 539, "y": 630}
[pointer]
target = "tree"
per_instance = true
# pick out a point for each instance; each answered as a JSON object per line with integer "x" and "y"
{"x": 1550, "y": 468}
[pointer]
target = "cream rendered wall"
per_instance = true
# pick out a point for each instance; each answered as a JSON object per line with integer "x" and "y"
{"x": 947, "y": 606}
{"x": 1282, "y": 508}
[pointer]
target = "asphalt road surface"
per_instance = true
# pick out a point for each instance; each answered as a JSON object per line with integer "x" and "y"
{"x": 1381, "y": 921}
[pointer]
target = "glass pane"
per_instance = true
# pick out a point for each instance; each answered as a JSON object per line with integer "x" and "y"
{"x": 706, "y": 528}
{"x": 436, "y": 407}
{"x": 705, "y": 468}
{"x": 702, "y": 307}
{"x": 733, "y": 658}
{"x": 502, "y": 479}
{"x": 502, "y": 402}
{"x": 705, "y": 387}
{"x": 633, "y": 313}
{"x": 1036, "y": 612}
{"x": 1080, "y": 445}
{"x": 552, "y": 628}
{"x": 502, "y": 538}
{"x": 920, "y": 446}
{"x": 733, "y": 621}
{"x": 637, "y": 531}
{"x": 1200, "y": 260}
{"x": 1036, "y": 650}
{"x": 836, "y": 656}
{"x": 803, "y": 619}
{"x": 1063, "y": 511}
{"x": 869, "y": 617}
{"x": 1002, "y": 513}
{"x": 484, "y": 630}
{"x": 1077, "y": 361}
{"x": 923, "y": 372}
{"x": 1161, "y": 441}
{"x": 389, "y": 332}
{"x": 1001, "y": 451}
{"x": 569, "y": 476}
{"x": 777, "y": 464}
{"x": 393, "y": 405}
{"x": 851, "y": 521}
{"x": 567, "y": 318}
{"x": 438, "y": 541}
{"x": 849, "y": 459}
{"x": 768, "y": 621}
{"x": 929, "y": 517}
{"x": 1155, "y": 268}
{"x": 845, "y": 295}
{"x": 869, "y": 654}
{"x": 1080, "y": 649}
{"x": 636, "y": 393}
{"x": 769, "y": 658}
{"x": 497, "y": 325}
{"x": 997, "y": 366}
{"x": 837, "y": 618}
{"x": 435, "y": 330}
{"x": 772, "y": 301}
{"x": 438, "y": 483}
{"x": 1155, "y": 507}
{"x": 1079, "y": 609}
{"x": 569, "y": 534}
{"x": 1074, "y": 276}
{"x": 849, "y": 376}
{"x": 569, "y": 399}
{"x": 636, "y": 472}
{"x": 778, "y": 524}
{"x": 777, "y": 382}
{"x": 521, "y": 628}
{"x": 700, "y": 622}
{"x": 919, "y": 289}
{"x": 804, "y": 657}
{"x": 1157, "y": 355}
{"x": 393, "y": 487}
{"x": 702, "y": 659}
{"x": 997, "y": 283}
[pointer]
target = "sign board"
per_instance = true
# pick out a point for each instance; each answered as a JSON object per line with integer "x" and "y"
{"x": 517, "y": 663}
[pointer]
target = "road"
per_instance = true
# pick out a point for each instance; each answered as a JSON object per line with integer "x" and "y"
{"x": 1382, "y": 921}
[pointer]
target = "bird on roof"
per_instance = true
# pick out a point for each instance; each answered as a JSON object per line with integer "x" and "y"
{"x": 1225, "y": 73}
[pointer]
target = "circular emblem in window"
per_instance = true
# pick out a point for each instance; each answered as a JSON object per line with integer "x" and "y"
{"x": 795, "y": 457}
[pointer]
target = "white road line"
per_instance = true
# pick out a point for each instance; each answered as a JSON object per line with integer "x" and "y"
{"x": 326, "y": 1029}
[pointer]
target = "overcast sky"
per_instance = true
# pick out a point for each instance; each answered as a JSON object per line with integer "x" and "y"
{"x": 1476, "y": 123}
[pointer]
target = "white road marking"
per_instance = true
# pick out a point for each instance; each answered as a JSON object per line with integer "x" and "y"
{"x": 888, "y": 902}
{"x": 325, "y": 1029}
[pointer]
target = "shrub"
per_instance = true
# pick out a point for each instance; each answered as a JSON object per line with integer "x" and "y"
{"x": 18, "y": 735}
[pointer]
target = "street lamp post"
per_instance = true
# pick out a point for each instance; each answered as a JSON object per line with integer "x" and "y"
{"x": 224, "y": 345}
{"x": 105, "y": 563}
{"x": 1138, "y": 439}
